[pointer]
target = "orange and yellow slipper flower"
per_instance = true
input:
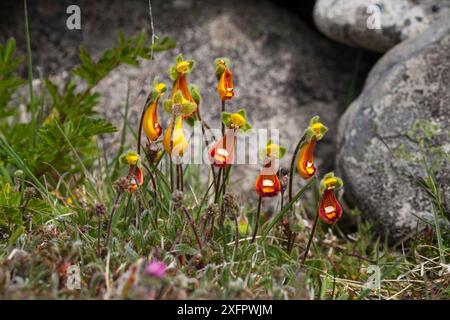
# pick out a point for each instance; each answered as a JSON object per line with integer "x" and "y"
{"x": 225, "y": 77}
{"x": 314, "y": 133}
{"x": 267, "y": 185}
{"x": 151, "y": 125}
{"x": 305, "y": 164}
{"x": 330, "y": 209}
{"x": 180, "y": 143}
{"x": 221, "y": 154}
{"x": 179, "y": 73}
{"x": 135, "y": 178}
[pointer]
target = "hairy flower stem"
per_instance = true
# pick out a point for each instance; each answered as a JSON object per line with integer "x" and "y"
{"x": 113, "y": 210}
{"x": 222, "y": 191}
{"x": 141, "y": 121}
{"x": 194, "y": 228}
{"x": 181, "y": 177}
{"x": 258, "y": 213}
{"x": 213, "y": 170}
{"x": 291, "y": 172}
{"x": 223, "y": 124}
{"x": 311, "y": 236}
{"x": 218, "y": 183}
{"x": 170, "y": 154}
{"x": 291, "y": 235}
{"x": 221, "y": 171}
{"x": 178, "y": 176}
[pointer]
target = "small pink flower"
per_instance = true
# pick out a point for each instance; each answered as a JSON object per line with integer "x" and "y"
{"x": 156, "y": 269}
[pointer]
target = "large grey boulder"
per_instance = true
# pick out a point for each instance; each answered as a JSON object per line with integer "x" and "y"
{"x": 410, "y": 83}
{"x": 356, "y": 23}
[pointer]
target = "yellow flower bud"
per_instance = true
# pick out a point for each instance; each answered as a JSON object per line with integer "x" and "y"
{"x": 272, "y": 150}
{"x": 160, "y": 87}
{"x": 183, "y": 66}
{"x": 330, "y": 182}
{"x": 131, "y": 158}
{"x": 237, "y": 120}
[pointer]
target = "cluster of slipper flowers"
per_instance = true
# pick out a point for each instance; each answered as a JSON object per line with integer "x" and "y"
{"x": 183, "y": 106}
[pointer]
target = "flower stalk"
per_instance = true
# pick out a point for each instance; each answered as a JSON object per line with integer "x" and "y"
{"x": 328, "y": 209}
{"x": 258, "y": 213}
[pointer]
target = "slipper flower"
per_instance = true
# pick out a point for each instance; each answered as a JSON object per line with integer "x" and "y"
{"x": 135, "y": 176}
{"x": 178, "y": 73}
{"x": 151, "y": 125}
{"x": 329, "y": 209}
{"x": 314, "y": 133}
{"x": 267, "y": 184}
{"x": 305, "y": 164}
{"x": 222, "y": 152}
{"x": 180, "y": 143}
{"x": 225, "y": 77}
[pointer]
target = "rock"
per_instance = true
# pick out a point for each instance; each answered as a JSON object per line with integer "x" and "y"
{"x": 410, "y": 83}
{"x": 285, "y": 72}
{"x": 354, "y": 22}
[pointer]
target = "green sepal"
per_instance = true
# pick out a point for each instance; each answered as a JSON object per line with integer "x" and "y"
{"x": 310, "y": 132}
{"x": 282, "y": 152}
{"x": 338, "y": 185}
{"x": 219, "y": 67}
{"x": 243, "y": 113}
{"x": 226, "y": 119}
{"x": 188, "y": 108}
{"x": 177, "y": 98}
{"x": 195, "y": 93}
{"x": 190, "y": 121}
{"x": 155, "y": 93}
{"x": 167, "y": 105}
{"x": 179, "y": 58}
{"x": 246, "y": 127}
{"x": 173, "y": 73}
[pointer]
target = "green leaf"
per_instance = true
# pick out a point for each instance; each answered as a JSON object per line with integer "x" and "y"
{"x": 16, "y": 234}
